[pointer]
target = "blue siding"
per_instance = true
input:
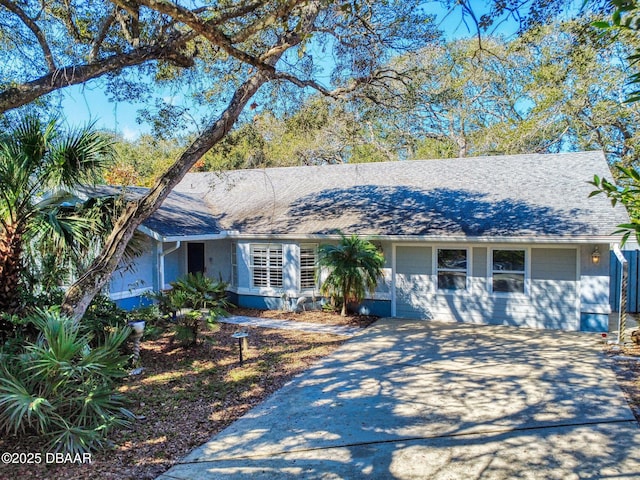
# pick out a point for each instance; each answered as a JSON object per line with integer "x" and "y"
{"x": 633, "y": 296}
{"x": 132, "y": 303}
{"x": 594, "y": 322}
{"x": 551, "y": 301}
{"x": 380, "y": 308}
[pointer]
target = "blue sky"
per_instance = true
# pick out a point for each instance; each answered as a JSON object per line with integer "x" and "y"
{"x": 88, "y": 103}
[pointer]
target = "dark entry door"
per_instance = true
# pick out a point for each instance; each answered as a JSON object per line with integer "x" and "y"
{"x": 195, "y": 257}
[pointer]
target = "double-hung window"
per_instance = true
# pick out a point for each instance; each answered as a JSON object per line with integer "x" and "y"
{"x": 266, "y": 266}
{"x": 508, "y": 271}
{"x": 452, "y": 268}
{"x": 308, "y": 258}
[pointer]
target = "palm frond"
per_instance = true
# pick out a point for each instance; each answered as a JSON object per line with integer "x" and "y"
{"x": 80, "y": 158}
{"x": 354, "y": 264}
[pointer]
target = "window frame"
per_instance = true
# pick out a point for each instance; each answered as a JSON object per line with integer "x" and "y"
{"x": 312, "y": 268}
{"x": 438, "y": 269}
{"x": 273, "y": 273}
{"x": 525, "y": 272}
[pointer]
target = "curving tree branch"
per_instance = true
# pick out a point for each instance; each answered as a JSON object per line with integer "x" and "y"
{"x": 22, "y": 94}
{"x": 31, "y": 25}
{"x": 82, "y": 292}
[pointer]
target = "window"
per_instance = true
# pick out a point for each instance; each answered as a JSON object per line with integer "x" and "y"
{"x": 234, "y": 264}
{"x": 508, "y": 271}
{"x": 266, "y": 265}
{"x": 308, "y": 267}
{"x": 452, "y": 269}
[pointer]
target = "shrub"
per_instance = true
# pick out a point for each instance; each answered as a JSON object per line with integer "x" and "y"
{"x": 201, "y": 292}
{"x": 206, "y": 298}
{"x": 102, "y": 317}
{"x": 188, "y": 325}
{"x": 62, "y": 389}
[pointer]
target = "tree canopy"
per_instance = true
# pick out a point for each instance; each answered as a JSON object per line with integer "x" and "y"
{"x": 556, "y": 88}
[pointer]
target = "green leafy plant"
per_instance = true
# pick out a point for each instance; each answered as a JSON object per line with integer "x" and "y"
{"x": 627, "y": 193}
{"x": 355, "y": 266}
{"x": 188, "y": 325}
{"x": 61, "y": 388}
{"x": 102, "y": 317}
{"x": 194, "y": 301}
{"x": 37, "y": 159}
{"x": 201, "y": 291}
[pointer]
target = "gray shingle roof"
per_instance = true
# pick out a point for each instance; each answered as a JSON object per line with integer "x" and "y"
{"x": 498, "y": 196}
{"x": 181, "y": 214}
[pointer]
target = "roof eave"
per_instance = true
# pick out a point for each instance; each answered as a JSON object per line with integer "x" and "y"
{"x": 181, "y": 238}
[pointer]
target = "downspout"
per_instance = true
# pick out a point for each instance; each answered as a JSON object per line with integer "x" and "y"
{"x": 163, "y": 254}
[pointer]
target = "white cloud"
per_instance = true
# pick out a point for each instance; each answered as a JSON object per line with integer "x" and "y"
{"x": 130, "y": 133}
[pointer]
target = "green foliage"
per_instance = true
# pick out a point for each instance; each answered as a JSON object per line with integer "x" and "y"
{"x": 189, "y": 324}
{"x": 355, "y": 265}
{"x": 628, "y": 194}
{"x": 61, "y": 388}
{"x": 626, "y": 18}
{"x": 142, "y": 161}
{"x": 195, "y": 300}
{"x": 199, "y": 291}
{"x": 102, "y": 318}
{"x": 36, "y": 160}
{"x": 152, "y": 316}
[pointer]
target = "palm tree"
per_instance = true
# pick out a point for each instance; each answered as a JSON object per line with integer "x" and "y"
{"x": 355, "y": 266}
{"x": 37, "y": 161}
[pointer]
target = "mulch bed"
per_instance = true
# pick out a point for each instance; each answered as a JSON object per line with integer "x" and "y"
{"x": 311, "y": 316}
{"x": 186, "y": 395}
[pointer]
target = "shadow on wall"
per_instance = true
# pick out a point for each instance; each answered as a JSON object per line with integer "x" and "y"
{"x": 411, "y": 211}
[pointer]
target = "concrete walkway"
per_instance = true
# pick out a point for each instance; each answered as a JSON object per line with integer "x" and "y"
{"x": 292, "y": 325}
{"x": 427, "y": 400}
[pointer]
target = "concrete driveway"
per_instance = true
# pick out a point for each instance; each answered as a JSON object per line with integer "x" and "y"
{"x": 428, "y": 400}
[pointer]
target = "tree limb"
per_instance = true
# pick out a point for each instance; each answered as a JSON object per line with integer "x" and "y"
{"x": 102, "y": 34}
{"x": 17, "y": 96}
{"x": 31, "y": 25}
{"x": 208, "y": 29}
{"x": 81, "y": 293}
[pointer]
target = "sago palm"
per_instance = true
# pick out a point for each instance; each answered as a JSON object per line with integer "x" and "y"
{"x": 355, "y": 265}
{"x": 36, "y": 161}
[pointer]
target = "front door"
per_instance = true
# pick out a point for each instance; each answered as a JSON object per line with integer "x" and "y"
{"x": 195, "y": 257}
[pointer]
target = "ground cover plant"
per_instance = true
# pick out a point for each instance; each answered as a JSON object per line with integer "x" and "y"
{"x": 187, "y": 394}
{"x": 60, "y": 388}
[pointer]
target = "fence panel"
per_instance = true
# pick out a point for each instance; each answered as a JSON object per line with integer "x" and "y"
{"x": 633, "y": 295}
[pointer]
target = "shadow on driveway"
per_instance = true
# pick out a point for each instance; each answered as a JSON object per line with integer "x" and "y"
{"x": 415, "y": 400}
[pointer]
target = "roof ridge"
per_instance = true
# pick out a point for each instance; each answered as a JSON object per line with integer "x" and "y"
{"x": 367, "y": 165}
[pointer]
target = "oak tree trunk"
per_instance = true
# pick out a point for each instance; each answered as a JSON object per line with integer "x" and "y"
{"x": 82, "y": 292}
